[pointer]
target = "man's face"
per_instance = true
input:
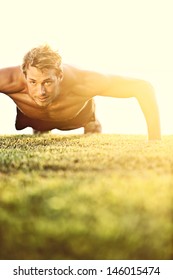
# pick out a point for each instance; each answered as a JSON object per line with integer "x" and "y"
{"x": 43, "y": 85}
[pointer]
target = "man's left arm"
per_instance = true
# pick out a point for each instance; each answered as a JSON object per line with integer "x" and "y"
{"x": 143, "y": 91}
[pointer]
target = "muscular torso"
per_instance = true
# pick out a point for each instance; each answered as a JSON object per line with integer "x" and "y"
{"x": 70, "y": 102}
{"x": 67, "y": 107}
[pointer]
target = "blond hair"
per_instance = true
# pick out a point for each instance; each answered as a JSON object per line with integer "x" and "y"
{"x": 42, "y": 57}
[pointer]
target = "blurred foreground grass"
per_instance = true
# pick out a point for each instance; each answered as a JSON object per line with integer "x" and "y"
{"x": 86, "y": 197}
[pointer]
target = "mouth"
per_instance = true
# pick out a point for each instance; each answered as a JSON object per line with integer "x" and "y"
{"x": 42, "y": 99}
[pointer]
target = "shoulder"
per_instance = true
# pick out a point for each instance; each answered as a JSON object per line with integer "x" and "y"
{"x": 72, "y": 72}
{"x": 13, "y": 70}
{"x": 12, "y": 73}
{"x": 12, "y": 79}
{"x": 87, "y": 81}
{"x": 73, "y": 76}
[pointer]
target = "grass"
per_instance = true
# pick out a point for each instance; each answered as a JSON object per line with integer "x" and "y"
{"x": 86, "y": 197}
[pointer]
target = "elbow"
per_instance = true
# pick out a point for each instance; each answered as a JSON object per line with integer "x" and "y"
{"x": 145, "y": 91}
{"x": 149, "y": 89}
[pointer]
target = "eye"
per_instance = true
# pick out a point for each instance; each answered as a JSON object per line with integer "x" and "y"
{"x": 32, "y": 83}
{"x": 48, "y": 83}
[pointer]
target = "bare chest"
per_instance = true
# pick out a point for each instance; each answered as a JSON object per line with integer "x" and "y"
{"x": 66, "y": 107}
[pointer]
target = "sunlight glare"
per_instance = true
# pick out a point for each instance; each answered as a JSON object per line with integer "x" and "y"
{"x": 130, "y": 38}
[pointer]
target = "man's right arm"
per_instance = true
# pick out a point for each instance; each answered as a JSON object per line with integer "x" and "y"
{"x": 11, "y": 80}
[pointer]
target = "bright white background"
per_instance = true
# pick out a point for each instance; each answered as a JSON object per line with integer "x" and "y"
{"x": 123, "y": 37}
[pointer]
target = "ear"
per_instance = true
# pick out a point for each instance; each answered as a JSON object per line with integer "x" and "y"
{"x": 23, "y": 72}
{"x": 61, "y": 76}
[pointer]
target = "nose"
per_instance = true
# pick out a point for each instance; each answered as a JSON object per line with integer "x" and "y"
{"x": 41, "y": 90}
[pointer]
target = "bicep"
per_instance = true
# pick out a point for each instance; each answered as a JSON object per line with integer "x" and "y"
{"x": 11, "y": 80}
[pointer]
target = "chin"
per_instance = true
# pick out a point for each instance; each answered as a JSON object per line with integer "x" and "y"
{"x": 42, "y": 104}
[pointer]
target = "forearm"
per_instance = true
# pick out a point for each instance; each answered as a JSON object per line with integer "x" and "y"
{"x": 148, "y": 104}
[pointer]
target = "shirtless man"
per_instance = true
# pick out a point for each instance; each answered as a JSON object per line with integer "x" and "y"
{"x": 49, "y": 94}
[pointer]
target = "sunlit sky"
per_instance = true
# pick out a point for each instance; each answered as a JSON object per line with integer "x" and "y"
{"x": 122, "y": 37}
